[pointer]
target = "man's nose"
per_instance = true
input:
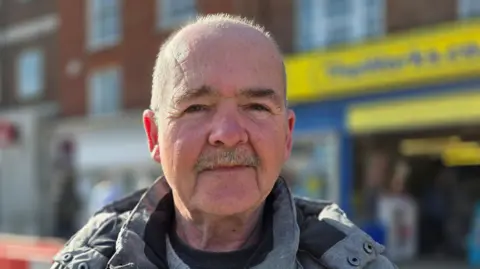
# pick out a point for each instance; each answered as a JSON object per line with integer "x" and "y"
{"x": 227, "y": 131}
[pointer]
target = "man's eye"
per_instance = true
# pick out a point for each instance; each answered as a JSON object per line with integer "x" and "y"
{"x": 258, "y": 107}
{"x": 195, "y": 108}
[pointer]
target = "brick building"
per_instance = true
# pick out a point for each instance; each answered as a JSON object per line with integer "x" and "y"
{"x": 138, "y": 33}
{"x": 326, "y": 23}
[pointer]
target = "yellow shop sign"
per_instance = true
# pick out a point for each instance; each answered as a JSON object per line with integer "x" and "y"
{"x": 421, "y": 56}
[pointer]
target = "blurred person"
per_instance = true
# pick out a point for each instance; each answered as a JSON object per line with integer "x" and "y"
{"x": 397, "y": 212}
{"x": 66, "y": 199}
{"x": 436, "y": 206}
{"x": 67, "y": 204}
{"x": 375, "y": 176}
{"x": 220, "y": 127}
{"x": 458, "y": 212}
{"x": 103, "y": 193}
{"x": 398, "y": 182}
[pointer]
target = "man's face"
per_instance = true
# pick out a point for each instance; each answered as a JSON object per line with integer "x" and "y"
{"x": 224, "y": 132}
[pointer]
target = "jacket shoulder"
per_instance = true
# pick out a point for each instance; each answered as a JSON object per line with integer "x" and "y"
{"x": 329, "y": 239}
{"x": 95, "y": 242}
{"x": 310, "y": 207}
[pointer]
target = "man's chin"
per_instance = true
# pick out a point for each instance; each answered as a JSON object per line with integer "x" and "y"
{"x": 225, "y": 205}
{"x": 227, "y": 194}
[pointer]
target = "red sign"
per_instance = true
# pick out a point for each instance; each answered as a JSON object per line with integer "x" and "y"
{"x": 8, "y": 134}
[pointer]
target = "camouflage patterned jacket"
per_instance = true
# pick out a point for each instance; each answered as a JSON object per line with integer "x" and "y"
{"x": 307, "y": 234}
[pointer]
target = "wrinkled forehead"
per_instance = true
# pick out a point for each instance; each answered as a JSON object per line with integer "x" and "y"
{"x": 227, "y": 60}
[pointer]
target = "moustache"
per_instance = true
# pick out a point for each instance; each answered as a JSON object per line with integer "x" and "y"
{"x": 226, "y": 158}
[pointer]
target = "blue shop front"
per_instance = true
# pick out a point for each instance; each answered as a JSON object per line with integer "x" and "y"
{"x": 418, "y": 80}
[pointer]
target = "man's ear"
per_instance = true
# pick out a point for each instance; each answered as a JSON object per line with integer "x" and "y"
{"x": 289, "y": 139}
{"x": 151, "y": 129}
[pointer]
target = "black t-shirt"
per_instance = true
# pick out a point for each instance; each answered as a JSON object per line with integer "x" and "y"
{"x": 197, "y": 259}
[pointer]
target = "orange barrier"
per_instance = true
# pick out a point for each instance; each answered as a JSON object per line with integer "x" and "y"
{"x": 20, "y": 252}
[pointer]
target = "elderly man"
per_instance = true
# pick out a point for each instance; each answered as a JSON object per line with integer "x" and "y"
{"x": 220, "y": 127}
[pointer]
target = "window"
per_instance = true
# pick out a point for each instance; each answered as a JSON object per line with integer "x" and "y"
{"x": 104, "y": 19}
{"x": 337, "y": 14}
{"x": 312, "y": 170}
{"x": 469, "y": 8}
{"x": 330, "y": 22}
{"x": 30, "y": 74}
{"x": 105, "y": 92}
{"x": 170, "y": 13}
{"x": 374, "y": 18}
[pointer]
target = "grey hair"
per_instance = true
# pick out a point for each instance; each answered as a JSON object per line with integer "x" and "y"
{"x": 163, "y": 71}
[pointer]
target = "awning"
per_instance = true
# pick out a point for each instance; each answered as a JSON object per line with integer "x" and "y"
{"x": 112, "y": 149}
{"x": 415, "y": 112}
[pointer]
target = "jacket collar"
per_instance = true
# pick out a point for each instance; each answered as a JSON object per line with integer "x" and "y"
{"x": 131, "y": 246}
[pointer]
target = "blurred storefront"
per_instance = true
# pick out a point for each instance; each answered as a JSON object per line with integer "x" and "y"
{"x": 424, "y": 83}
{"x": 111, "y": 158}
{"x": 313, "y": 168}
{"x": 24, "y": 170}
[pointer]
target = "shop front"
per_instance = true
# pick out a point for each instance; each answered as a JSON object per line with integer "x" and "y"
{"x": 320, "y": 150}
{"x": 111, "y": 159}
{"x": 24, "y": 170}
{"x": 314, "y": 166}
{"x": 377, "y": 96}
{"x": 437, "y": 137}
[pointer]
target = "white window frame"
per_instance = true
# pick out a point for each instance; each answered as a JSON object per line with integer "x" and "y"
{"x": 92, "y": 104}
{"x": 380, "y": 11}
{"x": 167, "y": 20}
{"x": 465, "y": 10}
{"x": 104, "y": 40}
{"x": 313, "y": 24}
{"x": 23, "y": 93}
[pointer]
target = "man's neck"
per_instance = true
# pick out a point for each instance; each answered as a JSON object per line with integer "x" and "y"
{"x": 219, "y": 234}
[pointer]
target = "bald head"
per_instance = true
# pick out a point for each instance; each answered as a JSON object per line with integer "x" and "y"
{"x": 212, "y": 41}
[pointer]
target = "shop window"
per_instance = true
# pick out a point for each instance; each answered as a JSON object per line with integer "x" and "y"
{"x": 105, "y": 92}
{"x": 101, "y": 186}
{"x": 312, "y": 169}
{"x": 103, "y": 23}
{"x": 337, "y": 14}
{"x": 468, "y": 8}
{"x": 171, "y": 13}
{"x": 30, "y": 74}
{"x": 324, "y": 23}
